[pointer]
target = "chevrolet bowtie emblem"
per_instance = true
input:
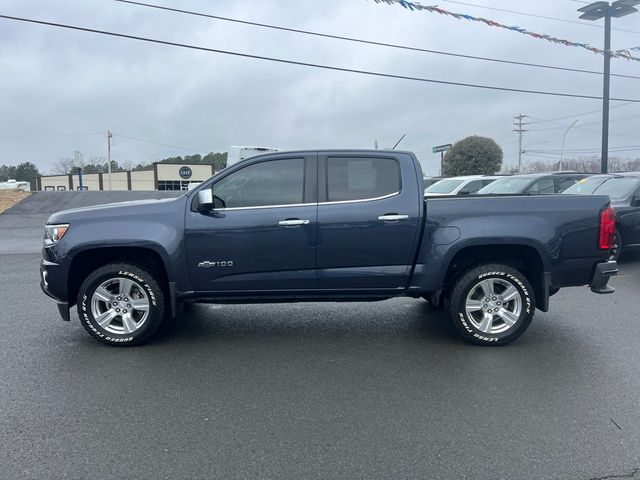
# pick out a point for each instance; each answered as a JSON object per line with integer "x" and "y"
{"x": 208, "y": 264}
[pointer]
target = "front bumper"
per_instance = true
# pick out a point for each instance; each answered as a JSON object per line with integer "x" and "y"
{"x": 603, "y": 272}
{"x": 53, "y": 284}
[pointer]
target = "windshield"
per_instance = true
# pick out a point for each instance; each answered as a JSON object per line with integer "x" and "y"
{"x": 586, "y": 186}
{"x": 616, "y": 187}
{"x": 444, "y": 186}
{"x": 506, "y": 185}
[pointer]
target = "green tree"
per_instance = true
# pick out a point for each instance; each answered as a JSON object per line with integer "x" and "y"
{"x": 473, "y": 156}
{"x": 218, "y": 160}
{"x": 27, "y": 172}
{"x": 7, "y": 172}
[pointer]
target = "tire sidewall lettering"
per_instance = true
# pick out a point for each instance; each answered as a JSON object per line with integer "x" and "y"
{"x": 89, "y": 322}
{"x": 487, "y": 339}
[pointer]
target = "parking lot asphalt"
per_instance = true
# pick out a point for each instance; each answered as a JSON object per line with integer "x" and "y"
{"x": 337, "y": 390}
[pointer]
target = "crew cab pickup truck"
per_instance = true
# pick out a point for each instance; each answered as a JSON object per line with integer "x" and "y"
{"x": 343, "y": 225}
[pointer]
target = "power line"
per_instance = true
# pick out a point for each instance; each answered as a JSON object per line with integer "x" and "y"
{"x": 596, "y": 122}
{"x": 617, "y": 119}
{"x": 538, "y": 120}
{"x": 588, "y": 130}
{"x": 43, "y": 135}
{"x": 527, "y": 14}
{"x": 593, "y": 149}
{"x": 312, "y": 65}
{"x": 368, "y": 42}
{"x": 156, "y": 143}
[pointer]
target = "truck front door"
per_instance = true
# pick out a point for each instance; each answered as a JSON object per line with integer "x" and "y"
{"x": 261, "y": 235}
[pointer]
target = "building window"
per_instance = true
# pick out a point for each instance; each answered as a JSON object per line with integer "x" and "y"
{"x": 173, "y": 185}
{"x": 61, "y": 188}
{"x": 49, "y": 188}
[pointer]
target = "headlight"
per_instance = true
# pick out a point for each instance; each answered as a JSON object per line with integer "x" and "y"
{"x": 53, "y": 233}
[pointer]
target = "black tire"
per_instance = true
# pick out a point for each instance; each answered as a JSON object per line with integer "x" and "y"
{"x": 503, "y": 327}
{"x": 616, "y": 251}
{"x": 142, "y": 286}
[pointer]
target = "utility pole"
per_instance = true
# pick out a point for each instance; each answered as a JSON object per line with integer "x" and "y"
{"x": 520, "y": 131}
{"x": 604, "y": 163}
{"x": 109, "y": 135}
{"x": 596, "y": 11}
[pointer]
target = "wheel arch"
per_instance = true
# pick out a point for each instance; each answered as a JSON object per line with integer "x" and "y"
{"x": 86, "y": 261}
{"x": 524, "y": 258}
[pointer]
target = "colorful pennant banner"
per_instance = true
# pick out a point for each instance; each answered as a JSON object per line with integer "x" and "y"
{"x": 625, "y": 54}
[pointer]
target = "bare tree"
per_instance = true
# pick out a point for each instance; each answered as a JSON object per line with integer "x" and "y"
{"x": 127, "y": 165}
{"x": 63, "y": 166}
{"x": 580, "y": 164}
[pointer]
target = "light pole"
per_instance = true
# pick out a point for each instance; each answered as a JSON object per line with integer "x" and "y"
{"x": 563, "y": 140}
{"x": 596, "y": 11}
{"x": 109, "y": 136}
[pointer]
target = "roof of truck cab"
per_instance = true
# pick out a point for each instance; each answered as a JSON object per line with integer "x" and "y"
{"x": 335, "y": 150}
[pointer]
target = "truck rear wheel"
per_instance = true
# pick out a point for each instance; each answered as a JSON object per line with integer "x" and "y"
{"x": 492, "y": 304}
{"x": 121, "y": 304}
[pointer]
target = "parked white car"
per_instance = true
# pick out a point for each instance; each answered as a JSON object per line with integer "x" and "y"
{"x": 467, "y": 185}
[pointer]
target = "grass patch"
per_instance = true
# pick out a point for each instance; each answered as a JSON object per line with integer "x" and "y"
{"x": 8, "y": 198}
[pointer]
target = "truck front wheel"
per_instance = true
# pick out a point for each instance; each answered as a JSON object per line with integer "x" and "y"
{"x": 121, "y": 304}
{"x": 492, "y": 304}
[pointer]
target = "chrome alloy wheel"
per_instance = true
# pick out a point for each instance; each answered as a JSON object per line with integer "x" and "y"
{"x": 493, "y": 305}
{"x": 120, "y": 306}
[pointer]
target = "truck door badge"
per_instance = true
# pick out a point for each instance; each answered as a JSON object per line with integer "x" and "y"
{"x": 208, "y": 264}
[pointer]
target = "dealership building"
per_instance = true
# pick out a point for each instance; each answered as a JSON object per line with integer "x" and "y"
{"x": 163, "y": 176}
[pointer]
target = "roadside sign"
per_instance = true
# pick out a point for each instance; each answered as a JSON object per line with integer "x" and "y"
{"x": 442, "y": 148}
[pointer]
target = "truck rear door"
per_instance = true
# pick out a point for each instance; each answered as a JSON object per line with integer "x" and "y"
{"x": 368, "y": 220}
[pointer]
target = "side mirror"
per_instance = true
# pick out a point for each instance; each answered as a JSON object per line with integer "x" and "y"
{"x": 464, "y": 191}
{"x": 205, "y": 200}
{"x": 635, "y": 200}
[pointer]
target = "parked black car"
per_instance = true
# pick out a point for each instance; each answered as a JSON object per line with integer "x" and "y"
{"x": 534, "y": 183}
{"x": 624, "y": 191}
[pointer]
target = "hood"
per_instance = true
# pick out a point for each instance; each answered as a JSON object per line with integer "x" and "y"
{"x": 110, "y": 210}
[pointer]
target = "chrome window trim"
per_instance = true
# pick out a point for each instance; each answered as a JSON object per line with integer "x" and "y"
{"x": 360, "y": 199}
{"x": 262, "y": 207}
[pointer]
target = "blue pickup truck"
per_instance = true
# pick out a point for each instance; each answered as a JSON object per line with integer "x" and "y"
{"x": 343, "y": 225}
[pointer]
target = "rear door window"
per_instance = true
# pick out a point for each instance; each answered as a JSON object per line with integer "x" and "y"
{"x": 544, "y": 186}
{"x": 562, "y": 183}
{"x": 361, "y": 178}
{"x": 474, "y": 186}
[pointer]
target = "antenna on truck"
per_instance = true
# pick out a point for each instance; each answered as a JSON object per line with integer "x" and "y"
{"x": 398, "y": 143}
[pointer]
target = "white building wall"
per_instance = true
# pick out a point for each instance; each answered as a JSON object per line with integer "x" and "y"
{"x": 92, "y": 181}
{"x": 55, "y": 182}
{"x": 142, "y": 180}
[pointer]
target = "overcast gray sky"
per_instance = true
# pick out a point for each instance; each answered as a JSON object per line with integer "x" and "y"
{"x": 57, "y": 81}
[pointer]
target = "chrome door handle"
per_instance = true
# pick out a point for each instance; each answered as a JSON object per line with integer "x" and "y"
{"x": 392, "y": 218}
{"x": 293, "y": 223}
